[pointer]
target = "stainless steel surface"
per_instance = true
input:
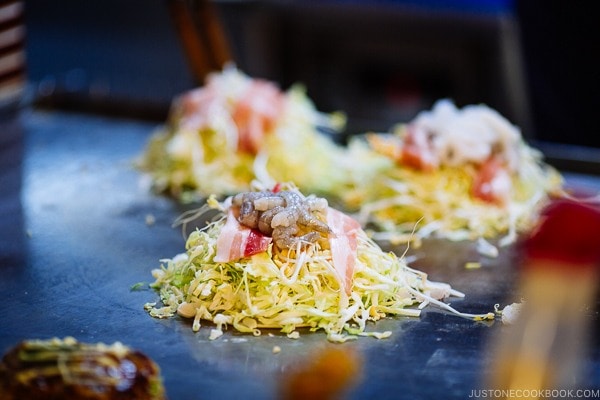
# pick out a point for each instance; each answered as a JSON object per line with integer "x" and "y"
{"x": 75, "y": 240}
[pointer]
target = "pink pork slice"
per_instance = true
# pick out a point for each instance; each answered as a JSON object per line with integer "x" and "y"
{"x": 236, "y": 241}
{"x": 343, "y": 245}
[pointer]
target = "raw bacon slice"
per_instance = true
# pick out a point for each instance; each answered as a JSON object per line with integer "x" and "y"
{"x": 236, "y": 241}
{"x": 343, "y": 245}
{"x": 417, "y": 150}
{"x": 195, "y": 107}
{"x": 493, "y": 183}
{"x": 256, "y": 113}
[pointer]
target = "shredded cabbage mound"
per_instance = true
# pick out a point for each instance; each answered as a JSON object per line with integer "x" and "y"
{"x": 196, "y": 153}
{"x": 404, "y": 204}
{"x": 292, "y": 289}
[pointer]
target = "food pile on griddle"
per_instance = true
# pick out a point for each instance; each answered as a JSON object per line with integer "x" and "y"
{"x": 67, "y": 369}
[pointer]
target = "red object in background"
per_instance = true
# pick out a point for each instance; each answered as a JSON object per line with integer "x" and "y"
{"x": 545, "y": 348}
{"x": 569, "y": 232}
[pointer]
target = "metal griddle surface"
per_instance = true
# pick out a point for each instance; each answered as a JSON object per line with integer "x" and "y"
{"x": 75, "y": 240}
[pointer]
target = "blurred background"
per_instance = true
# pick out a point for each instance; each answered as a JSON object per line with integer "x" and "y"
{"x": 381, "y": 62}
